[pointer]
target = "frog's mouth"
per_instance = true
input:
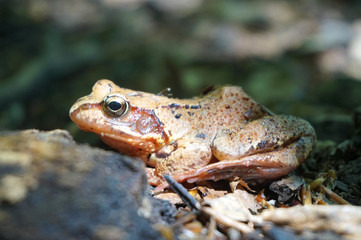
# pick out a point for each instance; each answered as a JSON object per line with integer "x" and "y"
{"x": 132, "y": 144}
{"x": 91, "y": 121}
{"x": 106, "y": 132}
{"x": 129, "y": 144}
{"x": 130, "y": 138}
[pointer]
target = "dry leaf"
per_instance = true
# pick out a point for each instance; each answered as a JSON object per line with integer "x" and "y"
{"x": 234, "y": 205}
{"x": 210, "y": 193}
{"x": 170, "y": 196}
{"x": 344, "y": 220}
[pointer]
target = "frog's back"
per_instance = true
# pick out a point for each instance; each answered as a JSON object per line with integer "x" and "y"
{"x": 204, "y": 116}
{"x": 235, "y": 106}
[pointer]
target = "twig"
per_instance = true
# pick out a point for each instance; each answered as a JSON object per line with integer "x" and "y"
{"x": 211, "y": 229}
{"x": 182, "y": 192}
{"x": 335, "y": 196}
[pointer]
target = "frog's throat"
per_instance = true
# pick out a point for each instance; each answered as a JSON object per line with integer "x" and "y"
{"x": 138, "y": 147}
{"x": 134, "y": 139}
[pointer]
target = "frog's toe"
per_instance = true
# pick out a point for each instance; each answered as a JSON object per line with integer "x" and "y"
{"x": 152, "y": 178}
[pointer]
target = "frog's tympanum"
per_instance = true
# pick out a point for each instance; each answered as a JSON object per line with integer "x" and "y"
{"x": 224, "y": 133}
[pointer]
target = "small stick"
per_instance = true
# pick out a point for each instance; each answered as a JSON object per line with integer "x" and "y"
{"x": 182, "y": 192}
{"x": 211, "y": 229}
{"x": 335, "y": 196}
{"x": 306, "y": 197}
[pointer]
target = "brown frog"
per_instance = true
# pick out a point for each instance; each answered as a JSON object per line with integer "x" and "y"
{"x": 224, "y": 133}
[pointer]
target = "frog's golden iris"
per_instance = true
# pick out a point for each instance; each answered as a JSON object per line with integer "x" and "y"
{"x": 115, "y": 105}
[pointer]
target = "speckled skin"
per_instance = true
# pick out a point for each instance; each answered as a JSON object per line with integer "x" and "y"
{"x": 221, "y": 134}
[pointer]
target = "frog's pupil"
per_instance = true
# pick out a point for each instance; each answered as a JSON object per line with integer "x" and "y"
{"x": 115, "y": 106}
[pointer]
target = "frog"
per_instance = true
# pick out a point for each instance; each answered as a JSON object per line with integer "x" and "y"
{"x": 221, "y": 134}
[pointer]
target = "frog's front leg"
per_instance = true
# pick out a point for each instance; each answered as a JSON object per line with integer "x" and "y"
{"x": 184, "y": 155}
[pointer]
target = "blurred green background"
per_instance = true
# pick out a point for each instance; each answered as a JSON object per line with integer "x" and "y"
{"x": 295, "y": 57}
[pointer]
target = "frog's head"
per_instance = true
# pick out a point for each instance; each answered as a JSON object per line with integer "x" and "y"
{"x": 124, "y": 119}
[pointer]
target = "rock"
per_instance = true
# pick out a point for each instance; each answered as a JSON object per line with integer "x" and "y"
{"x": 52, "y": 188}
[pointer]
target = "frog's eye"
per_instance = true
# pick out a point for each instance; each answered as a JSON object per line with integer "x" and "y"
{"x": 115, "y": 105}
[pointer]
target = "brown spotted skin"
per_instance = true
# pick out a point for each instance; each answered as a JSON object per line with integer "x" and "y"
{"x": 181, "y": 136}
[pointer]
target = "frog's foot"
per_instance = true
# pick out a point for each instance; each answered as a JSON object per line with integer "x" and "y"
{"x": 189, "y": 155}
{"x": 261, "y": 166}
{"x": 152, "y": 178}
